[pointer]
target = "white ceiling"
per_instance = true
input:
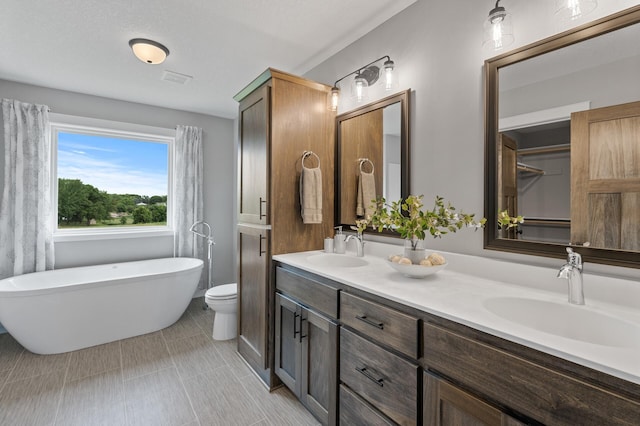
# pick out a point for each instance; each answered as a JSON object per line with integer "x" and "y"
{"x": 82, "y": 45}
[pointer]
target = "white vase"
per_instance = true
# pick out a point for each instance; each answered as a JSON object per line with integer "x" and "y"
{"x": 414, "y": 250}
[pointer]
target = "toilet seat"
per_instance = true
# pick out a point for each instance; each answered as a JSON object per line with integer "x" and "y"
{"x": 222, "y": 292}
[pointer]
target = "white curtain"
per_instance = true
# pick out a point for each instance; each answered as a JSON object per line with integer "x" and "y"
{"x": 26, "y": 216}
{"x": 188, "y": 177}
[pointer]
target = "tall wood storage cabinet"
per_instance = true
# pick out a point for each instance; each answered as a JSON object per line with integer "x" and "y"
{"x": 280, "y": 117}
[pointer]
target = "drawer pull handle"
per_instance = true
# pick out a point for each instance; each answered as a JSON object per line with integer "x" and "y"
{"x": 364, "y": 318}
{"x": 260, "y": 251}
{"x": 261, "y": 215}
{"x": 302, "y": 336}
{"x": 368, "y": 375}
{"x": 295, "y": 330}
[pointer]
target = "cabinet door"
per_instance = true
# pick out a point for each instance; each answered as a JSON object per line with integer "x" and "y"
{"x": 319, "y": 380}
{"x": 447, "y": 405}
{"x": 253, "y": 295}
{"x": 605, "y": 177}
{"x": 254, "y": 157}
{"x": 287, "y": 347}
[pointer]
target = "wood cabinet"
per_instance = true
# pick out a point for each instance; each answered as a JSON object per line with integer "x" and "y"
{"x": 356, "y": 411}
{"x": 406, "y": 366}
{"x": 253, "y": 294}
{"x": 537, "y": 386}
{"x": 280, "y": 117}
{"x": 447, "y": 405}
{"x": 253, "y": 199}
{"x": 369, "y": 369}
{"x": 306, "y": 344}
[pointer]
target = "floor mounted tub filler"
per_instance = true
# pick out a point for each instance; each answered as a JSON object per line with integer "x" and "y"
{"x": 68, "y": 309}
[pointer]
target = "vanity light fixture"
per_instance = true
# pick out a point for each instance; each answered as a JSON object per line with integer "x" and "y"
{"x": 568, "y": 10}
{"x": 148, "y": 51}
{"x": 498, "y": 29}
{"x": 365, "y": 77}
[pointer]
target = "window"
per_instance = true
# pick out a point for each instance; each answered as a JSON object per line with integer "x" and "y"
{"x": 110, "y": 178}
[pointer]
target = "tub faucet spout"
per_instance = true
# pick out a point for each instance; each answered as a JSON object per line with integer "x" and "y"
{"x": 572, "y": 272}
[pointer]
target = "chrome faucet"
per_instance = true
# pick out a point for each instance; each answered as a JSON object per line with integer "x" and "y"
{"x": 572, "y": 271}
{"x": 359, "y": 243}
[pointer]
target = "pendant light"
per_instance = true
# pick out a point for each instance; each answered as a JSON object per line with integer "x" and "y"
{"x": 568, "y": 10}
{"x": 148, "y": 51}
{"x": 498, "y": 29}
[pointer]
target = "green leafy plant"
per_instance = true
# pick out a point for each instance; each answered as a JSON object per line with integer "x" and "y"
{"x": 409, "y": 219}
{"x": 506, "y": 222}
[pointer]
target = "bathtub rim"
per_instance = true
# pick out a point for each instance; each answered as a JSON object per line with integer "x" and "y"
{"x": 8, "y": 291}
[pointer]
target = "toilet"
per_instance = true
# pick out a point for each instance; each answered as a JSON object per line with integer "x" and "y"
{"x": 223, "y": 300}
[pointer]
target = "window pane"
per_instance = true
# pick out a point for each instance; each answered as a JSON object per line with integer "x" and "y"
{"x": 106, "y": 181}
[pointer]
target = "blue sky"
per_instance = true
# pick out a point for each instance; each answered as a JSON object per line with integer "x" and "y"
{"x": 118, "y": 166}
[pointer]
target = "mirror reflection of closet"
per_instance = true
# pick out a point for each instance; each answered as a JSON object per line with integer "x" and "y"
{"x": 535, "y": 178}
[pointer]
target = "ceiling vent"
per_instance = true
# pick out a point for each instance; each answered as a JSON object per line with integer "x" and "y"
{"x": 176, "y": 77}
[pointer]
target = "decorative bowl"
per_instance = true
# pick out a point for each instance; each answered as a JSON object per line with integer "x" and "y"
{"x": 416, "y": 271}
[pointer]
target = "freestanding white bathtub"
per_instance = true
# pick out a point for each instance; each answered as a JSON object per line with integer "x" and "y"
{"x": 67, "y": 309}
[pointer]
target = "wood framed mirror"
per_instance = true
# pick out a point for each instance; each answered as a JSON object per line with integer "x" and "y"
{"x": 372, "y": 140}
{"x": 562, "y": 143}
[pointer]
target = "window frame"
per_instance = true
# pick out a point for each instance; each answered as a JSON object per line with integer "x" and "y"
{"x": 91, "y": 126}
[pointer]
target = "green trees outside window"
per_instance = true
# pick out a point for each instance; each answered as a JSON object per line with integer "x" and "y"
{"x": 83, "y": 205}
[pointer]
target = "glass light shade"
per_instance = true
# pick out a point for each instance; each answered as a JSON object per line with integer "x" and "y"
{"x": 333, "y": 99}
{"x": 568, "y": 10}
{"x": 359, "y": 88}
{"x": 498, "y": 30}
{"x": 389, "y": 77}
{"x": 148, "y": 51}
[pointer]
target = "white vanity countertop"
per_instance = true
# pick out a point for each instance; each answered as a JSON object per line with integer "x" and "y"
{"x": 459, "y": 292}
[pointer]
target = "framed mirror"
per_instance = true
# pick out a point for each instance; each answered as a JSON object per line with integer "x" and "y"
{"x": 562, "y": 143}
{"x": 372, "y": 156}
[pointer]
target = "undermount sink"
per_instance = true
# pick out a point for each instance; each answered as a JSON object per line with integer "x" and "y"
{"x": 336, "y": 260}
{"x": 566, "y": 320}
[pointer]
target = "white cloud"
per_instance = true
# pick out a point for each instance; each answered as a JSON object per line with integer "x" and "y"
{"x": 110, "y": 177}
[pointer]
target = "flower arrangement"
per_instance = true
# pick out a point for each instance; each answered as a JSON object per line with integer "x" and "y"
{"x": 412, "y": 222}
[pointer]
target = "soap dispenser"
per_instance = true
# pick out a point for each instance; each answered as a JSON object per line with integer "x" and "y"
{"x": 339, "y": 243}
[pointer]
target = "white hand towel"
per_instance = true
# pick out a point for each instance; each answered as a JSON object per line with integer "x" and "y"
{"x": 311, "y": 195}
{"x": 365, "y": 206}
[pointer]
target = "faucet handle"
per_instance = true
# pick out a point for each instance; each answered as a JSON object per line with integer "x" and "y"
{"x": 574, "y": 258}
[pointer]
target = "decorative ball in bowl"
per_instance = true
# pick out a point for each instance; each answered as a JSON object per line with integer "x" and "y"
{"x": 427, "y": 266}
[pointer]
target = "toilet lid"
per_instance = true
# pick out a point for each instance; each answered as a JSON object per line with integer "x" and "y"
{"x": 225, "y": 291}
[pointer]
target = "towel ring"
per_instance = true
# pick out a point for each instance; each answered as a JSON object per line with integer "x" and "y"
{"x": 362, "y": 162}
{"x": 309, "y": 154}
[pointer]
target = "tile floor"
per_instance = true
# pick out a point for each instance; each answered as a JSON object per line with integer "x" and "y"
{"x": 176, "y": 376}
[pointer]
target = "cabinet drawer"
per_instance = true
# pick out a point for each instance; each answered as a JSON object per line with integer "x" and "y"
{"x": 382, "y": 324}
{"x": 387, "y": 381}
{"x": 355, "y": 411}
{"x": 545, "y": 395}
{"x": 311, "y": 293}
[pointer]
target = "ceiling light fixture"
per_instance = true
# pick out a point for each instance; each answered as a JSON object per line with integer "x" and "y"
{"x": 498, "y": 29}
{"x": 148, "y": 51}
{"x": 365, "y": 77}
{"x": 568, "y": 10}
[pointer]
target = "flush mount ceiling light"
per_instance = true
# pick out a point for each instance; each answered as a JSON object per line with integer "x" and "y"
{"x": 498, "y": 29}
{"x": 148, "y": 51}
{"x": 568, "y": 10}
{"x": 365, "y": 77}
